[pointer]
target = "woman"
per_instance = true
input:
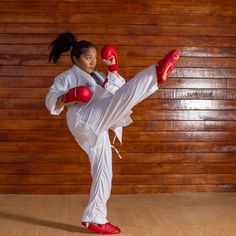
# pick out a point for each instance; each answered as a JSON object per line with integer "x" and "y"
{"x": 95, "y": 105}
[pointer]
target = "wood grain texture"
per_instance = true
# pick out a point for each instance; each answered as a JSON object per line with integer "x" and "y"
{"x": 183, "y": 137}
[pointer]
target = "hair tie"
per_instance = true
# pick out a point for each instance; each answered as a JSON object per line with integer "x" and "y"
{"x": 74, "y": 43}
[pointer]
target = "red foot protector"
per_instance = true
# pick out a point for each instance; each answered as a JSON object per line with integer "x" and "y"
{"x": 166, "y": 65}
{"x": 107, "y": 228}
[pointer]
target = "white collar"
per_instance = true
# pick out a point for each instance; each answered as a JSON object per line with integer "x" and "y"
{"x": 76, "y": 69}
{"x": 83, "y": 74}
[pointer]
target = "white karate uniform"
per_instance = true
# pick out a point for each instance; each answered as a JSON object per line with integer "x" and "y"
{"x": 109, "y": 108}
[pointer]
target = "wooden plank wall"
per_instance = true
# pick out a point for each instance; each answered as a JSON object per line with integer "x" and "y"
{"x": 183, "y": 137}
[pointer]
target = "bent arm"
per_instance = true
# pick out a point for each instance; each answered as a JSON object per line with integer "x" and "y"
{"x": 54, "y": 101}
{"x": 114, "y": 82}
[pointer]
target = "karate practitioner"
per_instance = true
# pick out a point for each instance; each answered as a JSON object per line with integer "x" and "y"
{"x": 97, "y": 103}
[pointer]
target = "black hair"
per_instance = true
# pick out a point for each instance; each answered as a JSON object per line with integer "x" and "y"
{"x": 64, "y": 42}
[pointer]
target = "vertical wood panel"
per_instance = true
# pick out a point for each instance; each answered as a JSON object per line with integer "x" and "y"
{"x": 183, "y": 137}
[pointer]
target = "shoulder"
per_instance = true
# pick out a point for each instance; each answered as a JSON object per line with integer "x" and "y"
{"x": 64, "y": 78}
{"x": 63, "y": 75}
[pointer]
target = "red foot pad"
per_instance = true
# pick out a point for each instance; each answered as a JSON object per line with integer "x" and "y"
{"x": 107, "y": 228}
{"x": 166, "y": 65}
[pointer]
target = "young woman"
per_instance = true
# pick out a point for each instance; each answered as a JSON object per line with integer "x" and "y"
{"x": 95, "y": 105}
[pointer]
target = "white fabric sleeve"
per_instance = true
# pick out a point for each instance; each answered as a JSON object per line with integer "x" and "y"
{"x": 59, "y": 87}
{"x": 115, "y": 81}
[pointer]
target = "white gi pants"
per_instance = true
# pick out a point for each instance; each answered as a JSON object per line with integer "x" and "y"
{"x": 91, "y": 133}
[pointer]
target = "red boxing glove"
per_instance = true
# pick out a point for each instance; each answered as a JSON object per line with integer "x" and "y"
{"x": 106, "y": 53}
{"x": 81, "y": 93}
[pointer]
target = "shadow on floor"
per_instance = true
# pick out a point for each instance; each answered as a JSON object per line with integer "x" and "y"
{"x": 45, "y": 223}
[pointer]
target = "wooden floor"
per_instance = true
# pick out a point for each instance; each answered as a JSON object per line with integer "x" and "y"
{"x": 178, "y": 214}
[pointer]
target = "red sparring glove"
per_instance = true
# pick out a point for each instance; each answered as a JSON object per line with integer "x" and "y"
{"x": 166, "y": 65}
{"x": 106, "y": 53}
{"x": 81, "y": 93}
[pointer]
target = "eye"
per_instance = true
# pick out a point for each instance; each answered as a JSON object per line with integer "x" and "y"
{"x": 91, "y": 58}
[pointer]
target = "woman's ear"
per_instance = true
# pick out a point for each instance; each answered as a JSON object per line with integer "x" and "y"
{"x": 75, "y": 59}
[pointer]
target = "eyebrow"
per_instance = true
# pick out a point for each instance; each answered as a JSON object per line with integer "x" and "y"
{"x": 87, "y": 54}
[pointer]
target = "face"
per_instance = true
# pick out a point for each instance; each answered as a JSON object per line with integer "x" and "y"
{"x": 88, "y": 60}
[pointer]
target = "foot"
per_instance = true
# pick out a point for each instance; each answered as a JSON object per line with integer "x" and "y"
{"x": 107, "y": 228}
{"x": 166, "y": 65}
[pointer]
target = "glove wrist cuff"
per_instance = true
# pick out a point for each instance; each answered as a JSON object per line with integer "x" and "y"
{"x": 114, "y": 67}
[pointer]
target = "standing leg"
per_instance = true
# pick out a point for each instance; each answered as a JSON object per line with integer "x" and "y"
{"x": 99, "y": 152}
{"x": 100, "y": 157}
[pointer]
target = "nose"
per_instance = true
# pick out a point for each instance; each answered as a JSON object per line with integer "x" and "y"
{"x": 93, "y": 61}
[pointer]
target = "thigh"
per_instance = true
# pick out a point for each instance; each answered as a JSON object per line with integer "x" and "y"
{"x": 101, "y": 115}
{"x": 100, "y": 155}
{"x": 83, "y": 135}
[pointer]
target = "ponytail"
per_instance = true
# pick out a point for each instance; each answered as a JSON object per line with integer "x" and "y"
{"x": 63, "y": 43}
